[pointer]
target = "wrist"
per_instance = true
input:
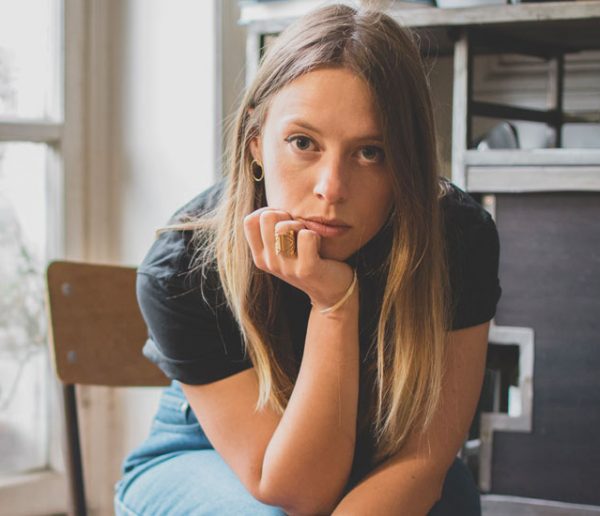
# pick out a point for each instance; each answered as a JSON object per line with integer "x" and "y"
{"x": 350, "y": 309}
{"x": 346, "y": 300}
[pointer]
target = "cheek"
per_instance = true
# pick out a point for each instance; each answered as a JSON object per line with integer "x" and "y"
{"x": 284, "y": 184}
{"x": 286, "y": 174}
{"x": 288, "y": 166}
{"x": 378, "y": 204}
{"x": 386, "y": 194}
{"x": 283, "y": 158}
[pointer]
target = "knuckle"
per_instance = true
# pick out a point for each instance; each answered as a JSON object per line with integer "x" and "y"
{"x": 259, "y": 262}
{"x": 282, "y": 226}
{"x": 302, "y": 272}
{"x": 273, "y": 216}
{"x": 268, "y": 263}
{"x": 307, "y": 272}
{"x": 306, "y": 234}
{"x": 265, "y": 217}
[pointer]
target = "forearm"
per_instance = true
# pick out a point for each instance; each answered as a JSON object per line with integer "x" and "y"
{"x": 309, "y": 457}
{"x": 407, "y": 486}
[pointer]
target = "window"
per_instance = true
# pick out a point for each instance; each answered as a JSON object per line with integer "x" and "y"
{"x": 38, "y": 67}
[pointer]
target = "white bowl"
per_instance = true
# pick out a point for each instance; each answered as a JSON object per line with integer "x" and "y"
{"x": 468, "y": 3}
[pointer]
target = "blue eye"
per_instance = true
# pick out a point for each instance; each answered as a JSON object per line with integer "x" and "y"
{"x": 299, "y": 139}
{"x": 375, "y": 154}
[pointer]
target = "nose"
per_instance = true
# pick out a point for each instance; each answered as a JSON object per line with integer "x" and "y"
{"x": 332, "y": 183}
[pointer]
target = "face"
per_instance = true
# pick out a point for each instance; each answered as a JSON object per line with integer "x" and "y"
{"x": 321, "y": 148}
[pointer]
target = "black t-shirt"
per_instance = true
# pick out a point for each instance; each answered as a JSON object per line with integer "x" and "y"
{"x": 194, "y": 338}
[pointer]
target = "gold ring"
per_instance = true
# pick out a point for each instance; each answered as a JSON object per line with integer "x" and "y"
{"x": 285, "y": 243}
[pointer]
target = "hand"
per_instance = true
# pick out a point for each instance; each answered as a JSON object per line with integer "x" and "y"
{"x": 324, "y": 281}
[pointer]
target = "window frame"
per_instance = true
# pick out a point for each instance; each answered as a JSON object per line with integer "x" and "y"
{"x": 65, "y": 168}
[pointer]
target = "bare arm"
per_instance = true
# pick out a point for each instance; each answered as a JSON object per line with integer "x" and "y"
{"x": 308, "y": 460}
{"x": 309, "y": 457}
{"x": 411, "y": 481}
{"x": 301, "y": 460}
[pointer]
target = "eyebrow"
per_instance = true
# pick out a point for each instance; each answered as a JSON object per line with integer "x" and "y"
{"x": 303, "y": 123}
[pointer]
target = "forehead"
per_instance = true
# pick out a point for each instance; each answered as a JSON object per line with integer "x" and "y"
{"x": 327, "y": 97}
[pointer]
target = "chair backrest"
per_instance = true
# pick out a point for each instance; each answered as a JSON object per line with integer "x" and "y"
{"x": 97, "y": 331}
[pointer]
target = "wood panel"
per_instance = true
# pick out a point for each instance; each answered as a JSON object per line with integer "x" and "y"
{"x": 550, "y": 275}
{"x": 97, "y": 330}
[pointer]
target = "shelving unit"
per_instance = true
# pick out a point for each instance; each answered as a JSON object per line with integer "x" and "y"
{"x": 546, "y": 29}
{"x": 556, "y": 190}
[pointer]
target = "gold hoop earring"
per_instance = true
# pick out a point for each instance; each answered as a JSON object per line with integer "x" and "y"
{"x": 262, "y": 173}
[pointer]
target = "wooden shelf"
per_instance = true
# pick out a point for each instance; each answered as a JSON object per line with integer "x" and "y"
{"x": 533, "y": 170}
{"x": 527, "y": 157}
{"x": 533, "y": 178}
{"x": 502, "y": 14}
{"x": 570, "y": 26}
{"x": 546, "y": 29}
{"x": 419, "y": 16}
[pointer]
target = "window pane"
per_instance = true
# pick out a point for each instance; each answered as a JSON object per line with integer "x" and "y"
{"x": 28, "y": 70}
{"x": 23, "y": 351}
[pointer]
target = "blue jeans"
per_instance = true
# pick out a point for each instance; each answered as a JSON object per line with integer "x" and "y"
{"x": 176, "y": 471}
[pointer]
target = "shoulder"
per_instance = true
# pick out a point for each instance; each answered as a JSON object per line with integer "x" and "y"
{"x": 192, "y": 335}
{"x": 469, "y": 228}
{"x": 473, "y": 247}
{"x": 461, "y": 211}
{"x": 171, "y": 252}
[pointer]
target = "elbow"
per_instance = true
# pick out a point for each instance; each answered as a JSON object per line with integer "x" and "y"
{"x": 305, "y": 487}
{"x": 298, "y": 500}
{"x": 302, "y": 508}
{"x": 438, "y": 491}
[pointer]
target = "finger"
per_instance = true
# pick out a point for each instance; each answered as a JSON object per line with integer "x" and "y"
{"x": 268, "y": 219}
{"x": 309, "y": 245}
{"x": 283, "y": 227}
{"x": 251, "y": 224}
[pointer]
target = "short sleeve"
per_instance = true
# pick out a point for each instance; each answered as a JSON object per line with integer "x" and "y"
{"x": 192, "y": 334}
{"x": 474, "y": 260}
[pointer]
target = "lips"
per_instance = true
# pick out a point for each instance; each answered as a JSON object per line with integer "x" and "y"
{"x": 325, "y": 230}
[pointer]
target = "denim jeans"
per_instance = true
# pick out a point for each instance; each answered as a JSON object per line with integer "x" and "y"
{"x": 176, "y": 471}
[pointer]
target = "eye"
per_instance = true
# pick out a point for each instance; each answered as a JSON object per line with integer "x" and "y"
{"x": 373, "y": 154}
{"x": 303, "y": 141}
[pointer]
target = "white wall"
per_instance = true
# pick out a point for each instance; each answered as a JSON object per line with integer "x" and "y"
{"x": 164, "y": 131}
{"x": 163, "y": 116}
{"x": 165, "y": 126}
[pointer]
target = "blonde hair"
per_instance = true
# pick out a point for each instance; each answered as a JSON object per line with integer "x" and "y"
{"x": 414, "y": 315}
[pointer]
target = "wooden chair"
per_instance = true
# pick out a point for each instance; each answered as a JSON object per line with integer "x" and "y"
{"x": 97, "y": 333}
{"x": 96, "y": 336}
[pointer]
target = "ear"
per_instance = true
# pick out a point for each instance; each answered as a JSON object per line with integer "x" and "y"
{"x": 255, "y": 149}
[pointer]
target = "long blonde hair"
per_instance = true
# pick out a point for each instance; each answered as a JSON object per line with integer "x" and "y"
{"x": 414, "y": 314}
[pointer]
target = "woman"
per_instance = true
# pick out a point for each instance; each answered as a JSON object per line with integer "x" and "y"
{"x": 328, "y": 367}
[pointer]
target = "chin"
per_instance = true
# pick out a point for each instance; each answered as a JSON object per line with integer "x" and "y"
{"x": 330, "y": 251}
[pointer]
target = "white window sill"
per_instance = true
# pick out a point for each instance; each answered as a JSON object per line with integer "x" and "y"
{"x": 40, "y": 493}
